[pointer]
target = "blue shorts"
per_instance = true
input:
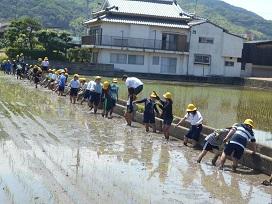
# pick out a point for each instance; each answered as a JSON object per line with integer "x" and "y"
{"x": 87, "y": 94}
{"x": 236, "y": 149}
{"x": 149, "y": 118}
{"x": 167, "y": 121}
{"x": 95, "y": 98}
{"x": 208, "y": 147}
{"x": 194, "y": 132}
{"x": 73, "y": 91}
{"x": 61, "y": 88}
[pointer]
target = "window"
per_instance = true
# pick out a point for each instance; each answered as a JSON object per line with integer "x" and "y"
{"x": 229, "y": 64}
{"x": 136, "y": 59}
{"x": 168, "y": 65}
{"x": 169, "y": 41}
{"x": 118, "y": 58}
{"x": 95, "y": 57}
{"x": 194, "y": 32}
{"x": 243, "y": 66}
{"x": 205, "y": 40}
{"x": 119, "y": 41}
{"x": 202, "y": 59}
{"x": 155, "y": 60}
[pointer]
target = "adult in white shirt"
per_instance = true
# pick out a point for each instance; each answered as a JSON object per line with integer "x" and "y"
{"x": 194, "y": 117}
{"x": 134, "y": 85}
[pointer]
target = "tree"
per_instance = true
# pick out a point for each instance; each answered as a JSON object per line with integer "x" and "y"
{"x": 21, "y": 32}
{"x": 53, "y": 40}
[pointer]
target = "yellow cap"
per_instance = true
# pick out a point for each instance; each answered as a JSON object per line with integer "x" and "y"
{"x": 46, "y": 58}
{"x": 167, "y": 95}
{"x": 97, "y": 77}
{"x": 153, "y": 95}
{"x": 21, "y": 54}
{"x": 39, "y": 59}
{"x": 66, "y": 74}
{"x": 76, "y": 75}
{"x": 106, "y": 84}
{"x": 115, "y": 80}
{"x": 82, "y": 79}
{"x": 191, "y": 107}
{"x": 53, "y": 70}
{"x": 249, "y": 122}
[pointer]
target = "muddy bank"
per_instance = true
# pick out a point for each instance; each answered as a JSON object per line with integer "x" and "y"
{"x": 55, "y": 152}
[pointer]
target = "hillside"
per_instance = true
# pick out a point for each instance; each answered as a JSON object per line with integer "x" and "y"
{"x": 235, "y": 19}
{"x": 68, "y": 14}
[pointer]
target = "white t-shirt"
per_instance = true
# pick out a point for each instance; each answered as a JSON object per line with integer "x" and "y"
{"x": 84, "y": 86}
{"x": 194, "y": 119}
{"x": 90, "y": 85}
{"x": 45, "y": 63}
{"x": 133, "y": 82}
{"x": 75, "y": 84}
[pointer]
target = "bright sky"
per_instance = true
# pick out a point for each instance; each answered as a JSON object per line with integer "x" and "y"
{"x": 261, "y": 7}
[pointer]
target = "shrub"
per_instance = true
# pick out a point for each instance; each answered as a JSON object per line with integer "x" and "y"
{"x": 35, "y": 54}
{"x": 79, "y": 54}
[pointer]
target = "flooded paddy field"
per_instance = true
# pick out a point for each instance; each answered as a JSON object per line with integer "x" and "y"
{"x": 220, "y": 105}
{"x": 55, "y": 152}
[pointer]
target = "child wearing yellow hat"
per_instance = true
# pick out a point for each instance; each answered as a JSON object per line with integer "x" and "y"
{"x": 194, "y": 117}
{"x": 114, "y": 92}
{"x": 74, "y": 84}
{"x": 106, "y": 99}
{"x": 238, "y": 137}
{"x": 149, "y": 111}
{"x": 167, "y": 113}
{"x": 83, "y": 87}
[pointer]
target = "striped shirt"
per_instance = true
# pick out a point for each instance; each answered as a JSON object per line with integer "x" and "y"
{"x": 242, "y": 135}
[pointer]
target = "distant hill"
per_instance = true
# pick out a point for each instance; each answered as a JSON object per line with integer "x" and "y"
{"x": 66, "y": 14}
{"x": 235, "y": 19}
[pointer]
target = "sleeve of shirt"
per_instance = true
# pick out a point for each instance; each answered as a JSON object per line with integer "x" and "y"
{"x": 186, "y": 115}
{"x": 200, "y": 118}
{"x": 127, "y": 83}
{"x": 141, "y": 101}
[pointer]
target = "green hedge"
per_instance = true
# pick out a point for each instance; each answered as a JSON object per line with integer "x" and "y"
{"x": 35, "y": 54}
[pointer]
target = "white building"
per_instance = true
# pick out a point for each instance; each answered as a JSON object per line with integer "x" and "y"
{"x": 159, "y": 37}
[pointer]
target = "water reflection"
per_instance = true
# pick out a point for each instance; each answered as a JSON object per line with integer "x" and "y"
{"x": 220, "y": 105}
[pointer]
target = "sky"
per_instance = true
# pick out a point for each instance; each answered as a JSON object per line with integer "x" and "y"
{"x": 261, "y": 7}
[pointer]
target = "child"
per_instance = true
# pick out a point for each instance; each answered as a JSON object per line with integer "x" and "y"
{"x": 213, "y": 143}
{"x": 36, "y": 75}
{"x": 106, "y": 99}
{"x": 83, "y": 88}
{"x": 95, "y": 95}
{"x": 194, "y": 117}
{"x": 149, "y": 111}
{"x": 114, "y": 91}
{"x": 74, "y": 84}
{"x": 62, "y": 83}
{"x": 129, "y": 112}
{"x": 167, "y": 114}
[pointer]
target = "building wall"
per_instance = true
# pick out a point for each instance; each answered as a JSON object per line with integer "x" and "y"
{"x": 147, "y": 67}
{"x": 224, "y": 47}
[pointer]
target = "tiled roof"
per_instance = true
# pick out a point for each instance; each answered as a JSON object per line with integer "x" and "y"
{"x": 139, "y": 21}
{"x": 149, "y": 8}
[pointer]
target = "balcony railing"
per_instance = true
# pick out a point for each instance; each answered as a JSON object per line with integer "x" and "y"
{"x": 115, "y": 41}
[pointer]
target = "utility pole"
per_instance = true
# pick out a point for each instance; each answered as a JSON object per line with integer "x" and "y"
{"x": 196, "y": 6}
{"x": 88, "y": 12}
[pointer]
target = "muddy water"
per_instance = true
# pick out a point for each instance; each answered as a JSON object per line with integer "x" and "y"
{"x": 220, "y": 105}
{"x": 55, "y": 152}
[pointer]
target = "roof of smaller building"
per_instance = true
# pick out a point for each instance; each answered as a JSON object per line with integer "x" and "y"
{"x": 159, "y": 8}
{"x": 139, "y": 21}
{"x": 259, "y": 42}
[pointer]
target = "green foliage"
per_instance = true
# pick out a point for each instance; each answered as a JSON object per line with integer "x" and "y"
{"x": 21, "y": 33}
{"x": 34, "y": 54}
{"x": 53, "y": 40}
{"x": 235, "y": 19}
{"x": 69, "y": 14}
{"x": 79, "y": 54}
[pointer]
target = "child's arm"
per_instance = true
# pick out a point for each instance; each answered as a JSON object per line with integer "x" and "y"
{"x": 181, "y": 120}
{"x": 229, "y": 135}
{"x": 140, "y": 101}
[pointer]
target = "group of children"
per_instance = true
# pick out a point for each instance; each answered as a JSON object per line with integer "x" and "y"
{"x": 106, "y": 95}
